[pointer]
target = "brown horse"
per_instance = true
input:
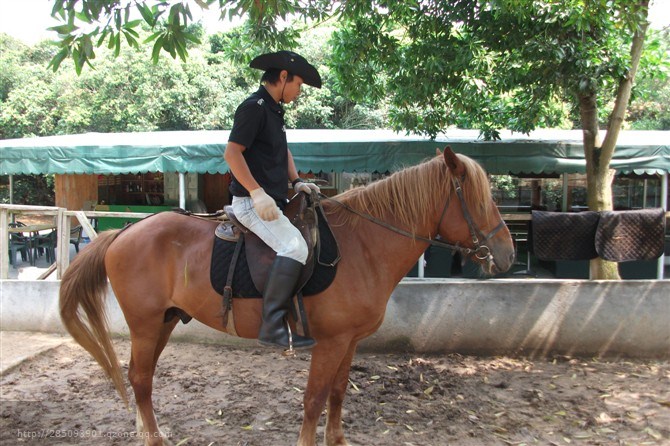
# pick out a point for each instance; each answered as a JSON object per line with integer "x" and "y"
{"x": 164, "y": 262}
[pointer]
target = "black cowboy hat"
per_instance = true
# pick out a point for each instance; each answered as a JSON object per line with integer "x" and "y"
{"x": 292, "y": 62}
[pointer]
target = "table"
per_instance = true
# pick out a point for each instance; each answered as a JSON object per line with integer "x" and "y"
{"x": 32, "y": 228}
{"x": 33, "y": 232}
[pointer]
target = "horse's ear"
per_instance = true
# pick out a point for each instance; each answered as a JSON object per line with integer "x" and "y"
{"x": 437, "y": 151}
{"x": 453, "y": 162}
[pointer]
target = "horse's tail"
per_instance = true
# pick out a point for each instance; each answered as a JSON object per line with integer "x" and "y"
{"x": 84, "y": 287}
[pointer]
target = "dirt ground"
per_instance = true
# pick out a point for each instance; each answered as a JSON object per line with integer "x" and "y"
{"x": 215, "y": 395}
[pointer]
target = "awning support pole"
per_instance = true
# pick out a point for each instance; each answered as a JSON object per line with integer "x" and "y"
{"x": 182, "y": 190}
{"x": 564, "y": 202}
{"x": 664, "y": 204}
{"x": 11, "y": 195}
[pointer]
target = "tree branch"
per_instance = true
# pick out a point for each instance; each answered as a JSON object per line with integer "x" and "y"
{"x": 624, "y": 91}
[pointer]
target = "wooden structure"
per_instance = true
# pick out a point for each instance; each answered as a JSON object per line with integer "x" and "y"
{"x": 73, "y": 191}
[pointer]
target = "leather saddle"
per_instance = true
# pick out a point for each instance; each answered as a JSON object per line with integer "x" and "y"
{"x": 243, "y": 270}
{"x": 302, "y": 212}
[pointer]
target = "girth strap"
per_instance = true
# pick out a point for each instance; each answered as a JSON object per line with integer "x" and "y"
{"x": 228, "y": 317}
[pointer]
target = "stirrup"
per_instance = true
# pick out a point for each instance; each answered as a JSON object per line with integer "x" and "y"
{"x": 290, "y": 351}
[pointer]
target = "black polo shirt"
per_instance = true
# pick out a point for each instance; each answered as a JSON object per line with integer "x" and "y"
{"x": 259, "y": 127}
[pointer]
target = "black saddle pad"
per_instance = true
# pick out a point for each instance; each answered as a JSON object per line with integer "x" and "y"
{"x": 625, "y": 236}
{"x": 243, "y": 286}
{"x": 564, "y": 236}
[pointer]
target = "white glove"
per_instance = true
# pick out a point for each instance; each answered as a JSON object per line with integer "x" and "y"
{"x": 264, "y": 205}
{"x": 306, "y": 187}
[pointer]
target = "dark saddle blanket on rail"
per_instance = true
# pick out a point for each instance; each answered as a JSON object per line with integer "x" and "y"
{"x": 255, "y": 258}
{"x": 564, "y": 236}
{"x": 631, "y": 235}
{"x": 617, "y": 236}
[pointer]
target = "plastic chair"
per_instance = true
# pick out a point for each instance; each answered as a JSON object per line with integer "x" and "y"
{"x": 76, "y": 236}
{"x": 19, "y": 243}
{"x": 47, "y": 244}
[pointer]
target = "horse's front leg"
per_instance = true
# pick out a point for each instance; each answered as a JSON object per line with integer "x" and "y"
{"x": 327, "y": 357}
{"x": 334, "y": 431}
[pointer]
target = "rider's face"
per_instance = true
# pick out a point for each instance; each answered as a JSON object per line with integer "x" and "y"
{"x": 292, "y": 88}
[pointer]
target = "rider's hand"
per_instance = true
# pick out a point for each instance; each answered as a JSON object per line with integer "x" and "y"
{"x": 264, "y": 205}
{"x": 306, "y": 187}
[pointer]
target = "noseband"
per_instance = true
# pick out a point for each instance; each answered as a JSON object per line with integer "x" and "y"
{"x": 481, "y": 251}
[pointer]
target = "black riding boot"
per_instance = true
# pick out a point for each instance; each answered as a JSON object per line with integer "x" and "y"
{"x": 279, "y": 290}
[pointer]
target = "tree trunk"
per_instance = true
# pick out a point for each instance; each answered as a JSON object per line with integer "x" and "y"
{"x": 599, "y": 193}
{"x": 599, "y": 177}
{"x": 598, "y": 154}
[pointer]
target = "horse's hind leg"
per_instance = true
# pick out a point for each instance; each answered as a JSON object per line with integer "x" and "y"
{"x": 147, "y": 343}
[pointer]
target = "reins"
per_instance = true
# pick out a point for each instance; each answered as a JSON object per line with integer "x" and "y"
{"x": 480, "y": 251}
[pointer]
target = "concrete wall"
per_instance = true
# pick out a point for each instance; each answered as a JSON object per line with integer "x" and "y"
{"x": 531, "y": 318}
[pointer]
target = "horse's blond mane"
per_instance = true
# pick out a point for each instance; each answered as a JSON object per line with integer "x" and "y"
{"x": 411, "y": 195}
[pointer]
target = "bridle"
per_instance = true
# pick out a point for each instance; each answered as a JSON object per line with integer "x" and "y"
{"x": 480, "y": 251}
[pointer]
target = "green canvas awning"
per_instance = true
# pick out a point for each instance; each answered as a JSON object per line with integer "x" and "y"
{"x": 324, "y": 150}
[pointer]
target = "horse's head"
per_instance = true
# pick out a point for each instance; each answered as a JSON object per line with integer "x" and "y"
{"x": 471, "y": 218}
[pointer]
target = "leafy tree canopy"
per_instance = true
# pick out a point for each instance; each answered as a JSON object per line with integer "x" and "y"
{"x": 512, "y": 64}
{"x": 128, "y": 93}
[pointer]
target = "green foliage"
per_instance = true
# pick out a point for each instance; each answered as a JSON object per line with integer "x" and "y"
{"x": 411, "y": 67}
{"x": 29, "y": 189}
{"x": 127, "y": 93}
{"x": 90, "y": 24}
{"x": 436, "y": 63}
{"x": 511, "y": 64}
{"x": 505, "y": 183}
{"x": 650, "y": 105}
{"x": 315, "y": 108}
{"x": 13, "y": 53}
{"x": 27, "y": 108}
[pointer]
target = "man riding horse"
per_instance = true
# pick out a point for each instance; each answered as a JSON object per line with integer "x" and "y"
{"x": 262, "y": 166}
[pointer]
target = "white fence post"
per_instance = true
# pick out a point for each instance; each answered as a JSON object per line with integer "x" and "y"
{"x": 86, "y": 225}
{"x": 63, "y": 255}
{"x": 4, "y": 243}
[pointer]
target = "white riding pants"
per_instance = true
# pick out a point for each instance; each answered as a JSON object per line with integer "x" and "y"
{"x": 279, "y": 234}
